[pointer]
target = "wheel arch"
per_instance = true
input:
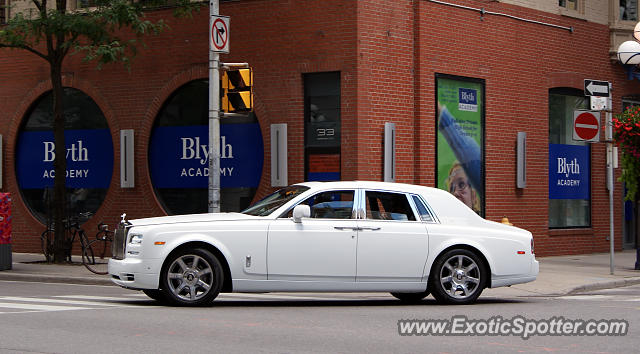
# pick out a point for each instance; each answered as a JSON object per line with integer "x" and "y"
{"x": 468, "y": 247}
{"x": 227, "y": 285}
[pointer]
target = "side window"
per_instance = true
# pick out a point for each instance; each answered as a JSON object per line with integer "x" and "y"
{"x": 330, "y": 205}
{"x": 388, "y": 206}
{"x": 425, "y": 215}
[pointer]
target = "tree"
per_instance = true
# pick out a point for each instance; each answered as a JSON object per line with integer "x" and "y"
{"x": 627, "y": 136}
{"x": 109, "y": 32}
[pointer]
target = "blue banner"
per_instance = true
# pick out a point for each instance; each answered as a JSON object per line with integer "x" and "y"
{"x": 569, "y": 172}
{"x": 89, "y": 159}
{"x": 179, "y": 156}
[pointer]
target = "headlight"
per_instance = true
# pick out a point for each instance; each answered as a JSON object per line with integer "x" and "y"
{"x": 135, "y": 239}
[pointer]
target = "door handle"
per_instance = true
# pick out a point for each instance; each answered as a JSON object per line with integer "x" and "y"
{"x": 346, "y": 228}
{"x": 356, "y": 228}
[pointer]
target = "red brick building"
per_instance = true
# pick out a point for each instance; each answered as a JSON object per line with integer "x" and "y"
{"x": 365, "y": 63}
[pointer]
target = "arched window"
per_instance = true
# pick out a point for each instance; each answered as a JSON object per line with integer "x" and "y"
{"x": 178, "y": 154}
{"x": 89, "y": 152}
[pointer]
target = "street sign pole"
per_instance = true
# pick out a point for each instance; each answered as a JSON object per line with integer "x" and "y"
{"x": 602, "y": 89}
{"x": 609, "y": 136}
{"x": 214, "y": 118}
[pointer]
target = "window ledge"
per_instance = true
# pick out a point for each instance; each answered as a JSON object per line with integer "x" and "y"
{"x": 587, "y": 231}
{"x": 572, "y": 14}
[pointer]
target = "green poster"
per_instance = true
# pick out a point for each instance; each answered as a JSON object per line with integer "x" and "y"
{"x": 460, "y": 140}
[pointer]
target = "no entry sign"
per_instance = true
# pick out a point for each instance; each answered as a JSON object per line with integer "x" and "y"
{"x": 586, "y": 126}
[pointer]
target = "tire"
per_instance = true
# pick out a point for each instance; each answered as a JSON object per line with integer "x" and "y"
{"x": 411, "y": 297}
{"x": 97, "y": 265}
{"x": 191, "y": 277}
{"x": 458, "y": 277}
{"x": 46, "y": 242}
{"x": 155, "y": 294}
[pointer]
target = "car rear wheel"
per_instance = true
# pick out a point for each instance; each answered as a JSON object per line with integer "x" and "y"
{"x": 411, "y": 297}
{"x": 192, "y": 277}
{"x": 458, "y": 277}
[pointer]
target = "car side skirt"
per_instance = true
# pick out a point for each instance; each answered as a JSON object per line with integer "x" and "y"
{"x": 243, "y": 285}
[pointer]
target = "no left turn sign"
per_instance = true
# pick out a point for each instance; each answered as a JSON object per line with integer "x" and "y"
{"x": 219, "y": 34}
{"x": 586, "y": 126}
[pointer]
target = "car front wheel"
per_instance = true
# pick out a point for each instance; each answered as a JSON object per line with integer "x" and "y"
{"x": 192, "y": 277}
{"x": 458, "y": 277}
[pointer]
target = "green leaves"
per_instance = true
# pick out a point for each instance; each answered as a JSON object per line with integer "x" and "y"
{"x": 626, "y": 128}
{"x": 109, "y": 32}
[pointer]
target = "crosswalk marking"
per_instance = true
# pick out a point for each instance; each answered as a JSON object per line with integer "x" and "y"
{"x": 90, "y": 302}
{"x": 598, "y": 297}
{"x": 94, "y": 298}
{"x": 15, "y": 305}
{"x": 276, "y": 297}
{"x": 59, "y": 301}
{"x": 585, "y": 297}
{"x": 63, "y": 303}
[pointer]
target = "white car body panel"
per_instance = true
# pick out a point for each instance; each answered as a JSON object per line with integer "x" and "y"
{"x": 273, "y": 253}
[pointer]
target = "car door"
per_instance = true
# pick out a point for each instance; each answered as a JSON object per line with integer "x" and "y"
{"x": 393, "y": 243}
{"x": 321, "y": 247}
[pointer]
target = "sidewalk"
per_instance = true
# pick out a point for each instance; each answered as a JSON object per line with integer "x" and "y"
{"x": 560, "y": 275}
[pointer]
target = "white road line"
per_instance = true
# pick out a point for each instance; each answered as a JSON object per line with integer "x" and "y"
{"x": 58, "y": 301}
{"x": 95, "y": 298}
{"x": 276, "y": 297}
{"x": 13, "y": 305}
{"x": 586, "y": 297}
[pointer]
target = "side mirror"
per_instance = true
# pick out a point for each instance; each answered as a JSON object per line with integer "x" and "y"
{"x": 301, "y": 211}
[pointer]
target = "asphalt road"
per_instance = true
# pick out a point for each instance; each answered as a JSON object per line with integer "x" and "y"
{"x": 65, "y": 318}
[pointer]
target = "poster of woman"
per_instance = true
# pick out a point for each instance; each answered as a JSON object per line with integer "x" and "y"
{"x": 460, "y": 140}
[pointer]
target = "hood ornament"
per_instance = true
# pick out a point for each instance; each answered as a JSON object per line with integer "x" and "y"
{"x": 123, "y": 216}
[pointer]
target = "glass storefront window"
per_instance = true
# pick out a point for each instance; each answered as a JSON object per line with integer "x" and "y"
{"x": 322, "y": 126}
{"x": 89, "y": 150}
{"x": 569, "y": 163}
{"x": 178, "y": 154}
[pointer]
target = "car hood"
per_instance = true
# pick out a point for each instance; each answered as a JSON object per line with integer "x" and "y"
{"x": 192, "y": 218}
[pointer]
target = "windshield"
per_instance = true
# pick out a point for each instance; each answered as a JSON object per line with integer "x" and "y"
{"x": 272, "y": 202}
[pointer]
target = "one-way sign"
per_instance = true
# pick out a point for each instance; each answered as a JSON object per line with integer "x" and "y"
{"x": 596, "y": 88}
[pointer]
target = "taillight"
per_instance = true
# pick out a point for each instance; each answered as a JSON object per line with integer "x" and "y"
{"x": 532, "y": 246}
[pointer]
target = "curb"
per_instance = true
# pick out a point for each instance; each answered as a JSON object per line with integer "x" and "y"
{"x": 604, "y": 285}
{"x": 43, "y": 278}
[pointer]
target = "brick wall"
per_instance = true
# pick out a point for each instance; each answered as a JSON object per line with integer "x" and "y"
{"x": 520, "y": 62}
{"x": 272, "y": 36}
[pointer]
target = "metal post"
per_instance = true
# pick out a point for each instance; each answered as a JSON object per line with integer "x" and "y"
{"x": 214, "y": 120}
{"x": 610, "y": 180}
{"x": 610, "y": 176}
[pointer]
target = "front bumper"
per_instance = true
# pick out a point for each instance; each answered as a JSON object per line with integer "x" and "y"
{"x": 135, "y": 273}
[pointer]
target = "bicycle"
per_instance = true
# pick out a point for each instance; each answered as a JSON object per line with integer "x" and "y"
{"x": 71, "y": 225}
{"x": 102, "y": 243}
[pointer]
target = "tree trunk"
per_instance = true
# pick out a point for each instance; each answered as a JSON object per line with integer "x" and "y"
{"x": 59, "y": 165}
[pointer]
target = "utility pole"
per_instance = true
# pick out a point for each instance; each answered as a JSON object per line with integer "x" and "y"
{"x": 610, "y": 182}
{"x": 214, "y": 117}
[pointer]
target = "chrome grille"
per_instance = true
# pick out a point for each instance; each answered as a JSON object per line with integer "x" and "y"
{"x": 119, "y": 241}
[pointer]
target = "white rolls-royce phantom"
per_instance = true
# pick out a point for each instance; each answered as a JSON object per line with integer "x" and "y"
{"x": 408, "y": 240}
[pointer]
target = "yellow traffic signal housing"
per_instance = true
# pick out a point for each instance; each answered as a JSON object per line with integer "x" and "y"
{"x": 237, "y": 90}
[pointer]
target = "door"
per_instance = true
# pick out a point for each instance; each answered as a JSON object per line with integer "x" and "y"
{"x": 392, "y": 243}
{"x": 321, "y": 247}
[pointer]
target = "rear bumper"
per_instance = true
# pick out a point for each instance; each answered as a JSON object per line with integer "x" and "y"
{"x": 519, "y": 278}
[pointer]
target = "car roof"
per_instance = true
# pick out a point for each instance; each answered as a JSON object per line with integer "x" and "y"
{"x": 390, "y": 186}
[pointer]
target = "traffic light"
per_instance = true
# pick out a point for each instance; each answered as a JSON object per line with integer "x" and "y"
{"x": 237, "y": 90}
